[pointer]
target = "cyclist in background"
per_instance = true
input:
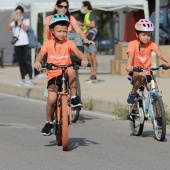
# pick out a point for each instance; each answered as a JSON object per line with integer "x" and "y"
{"x": 139, "y": 54}
{"x": 58, "y": 52}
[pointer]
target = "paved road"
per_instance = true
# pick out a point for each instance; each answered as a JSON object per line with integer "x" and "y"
{"x": 97, "y": 141}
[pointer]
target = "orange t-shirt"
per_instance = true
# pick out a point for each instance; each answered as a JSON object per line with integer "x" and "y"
{"x": 57, "y": 55}
{"x": 142, "y": 58}
{"x": 72, "y": 22}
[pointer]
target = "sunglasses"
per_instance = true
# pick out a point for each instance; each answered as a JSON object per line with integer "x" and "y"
{"x": 61, "y": 7}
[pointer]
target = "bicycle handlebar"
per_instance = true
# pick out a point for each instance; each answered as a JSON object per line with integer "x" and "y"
{"x": 140, "y": 69}
{"x": 75, "y": 65}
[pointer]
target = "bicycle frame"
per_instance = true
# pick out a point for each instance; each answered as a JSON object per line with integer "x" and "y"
{"x": 153, "y": 91}
{"x": 64, "y": 92}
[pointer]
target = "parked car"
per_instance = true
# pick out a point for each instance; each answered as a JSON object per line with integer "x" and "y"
{"x": 164, "y": 26}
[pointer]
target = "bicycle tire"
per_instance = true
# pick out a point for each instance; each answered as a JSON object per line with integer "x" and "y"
{"x": 159, "y": 123}
{"x": 136, "y": 122}
{"x": 75, "y": 115}
{"x": 64, "y": 123}
{"x": 58, "y": 129}
{"x": 78, "y": 84}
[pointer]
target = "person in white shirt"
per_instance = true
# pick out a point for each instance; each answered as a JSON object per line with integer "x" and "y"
{"x": 19, "y": 26}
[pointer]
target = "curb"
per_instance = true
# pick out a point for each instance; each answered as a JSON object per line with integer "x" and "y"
{"x": 38, "y": 94}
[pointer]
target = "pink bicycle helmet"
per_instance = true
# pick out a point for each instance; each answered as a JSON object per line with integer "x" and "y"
{"x": 144, "y": 25}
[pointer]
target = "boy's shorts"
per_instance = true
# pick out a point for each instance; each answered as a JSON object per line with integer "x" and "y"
{"x": 55, "y": 81}
{"x": 146, "y": 81}
{"x": 90, "y": 48}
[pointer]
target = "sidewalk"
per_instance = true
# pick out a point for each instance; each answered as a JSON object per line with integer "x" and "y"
{"x": 109, "y": 90}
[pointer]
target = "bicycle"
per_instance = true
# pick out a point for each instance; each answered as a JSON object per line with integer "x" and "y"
{"x": 139, "y": 112}
{"x": 77, "y": 39}
{"x": 63, "y": 110}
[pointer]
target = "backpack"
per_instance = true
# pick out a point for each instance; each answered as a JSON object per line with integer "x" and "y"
{"x": 33, "y": 41}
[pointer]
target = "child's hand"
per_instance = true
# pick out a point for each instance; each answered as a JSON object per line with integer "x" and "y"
{"x": 84, "y": 63}
{"x": 37, "y": 65}
{"x": 129, "y": 68}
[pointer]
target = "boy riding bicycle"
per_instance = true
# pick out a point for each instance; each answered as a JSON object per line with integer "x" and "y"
{"x": 58, "y": 52}
{"x": 139, "y": 54}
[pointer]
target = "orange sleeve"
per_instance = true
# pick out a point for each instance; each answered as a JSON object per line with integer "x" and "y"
{"x": 130, "y": 47}
{"x": 153, "y": 46}
{"x": 71, "y": 45}
{"x": 45, "y": 47}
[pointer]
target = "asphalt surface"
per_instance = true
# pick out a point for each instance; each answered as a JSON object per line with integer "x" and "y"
{"x": 97, "y": 141}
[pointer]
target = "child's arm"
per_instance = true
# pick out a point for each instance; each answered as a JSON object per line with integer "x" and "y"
{"x": 162, "y": 56}
{"x": 38, "y": 60}
{"x": 81, "y": 56}
{"x": 129, "y": 66}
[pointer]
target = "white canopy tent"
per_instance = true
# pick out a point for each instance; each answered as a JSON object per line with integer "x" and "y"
{"x": 43, "y": 6}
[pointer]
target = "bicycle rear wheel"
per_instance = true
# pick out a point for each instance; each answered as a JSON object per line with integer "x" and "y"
{"x": 75, "y": 115}
{"x": 64, "y": 123}
{"x": 159, "y": 123}
{"x": 136, "y": 120}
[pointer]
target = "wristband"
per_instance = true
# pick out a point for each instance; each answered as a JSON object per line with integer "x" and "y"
{"x": 45, "y": 39}
{"x": 37, "y": 62}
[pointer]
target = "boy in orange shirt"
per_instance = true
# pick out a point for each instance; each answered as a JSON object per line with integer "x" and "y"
{"x": 58, "y": 52}
{"x": 139, "y": 54}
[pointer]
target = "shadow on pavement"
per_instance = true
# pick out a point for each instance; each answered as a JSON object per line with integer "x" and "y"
{"x": 84, "y": 118}
{"x": 76, "y": 142}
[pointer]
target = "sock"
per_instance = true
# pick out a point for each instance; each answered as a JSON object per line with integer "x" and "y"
{"x": 72, "y": 97}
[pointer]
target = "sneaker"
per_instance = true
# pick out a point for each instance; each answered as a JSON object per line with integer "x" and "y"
{"x": 131, "y": 98}
{"x": 47, "y": 129}
{"x": 89, "y": 80}
{"x": 94, "y": 79}
{"x": 29, "y": 83}
{"x": 76, "y": 102}
{"x": 20, "y": 83}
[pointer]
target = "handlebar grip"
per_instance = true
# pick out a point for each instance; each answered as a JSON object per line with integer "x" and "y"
{"x": 165, "y": 66}
{"x": 137, "y": 69}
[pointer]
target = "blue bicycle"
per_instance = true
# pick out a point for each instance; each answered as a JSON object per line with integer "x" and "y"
{"x": 139, "y": 112}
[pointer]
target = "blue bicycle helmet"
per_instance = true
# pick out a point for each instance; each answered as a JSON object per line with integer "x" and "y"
{"x": 56, "y": 18}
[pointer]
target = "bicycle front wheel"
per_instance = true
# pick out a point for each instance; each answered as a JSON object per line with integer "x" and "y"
{"x": 136, "y": 120}
{"x": 159, "y": 122}
{"x": 64, "y": 123}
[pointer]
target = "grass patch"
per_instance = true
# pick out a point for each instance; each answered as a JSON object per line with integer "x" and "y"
{"x": 121, "y": 111}
{"x": 89, "y": 104}
{"x": 167, "y": 114}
